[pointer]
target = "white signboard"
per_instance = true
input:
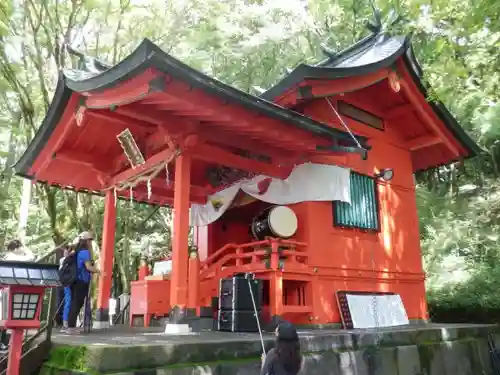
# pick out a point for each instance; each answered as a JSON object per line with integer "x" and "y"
{"x": 162, "y": 268}
{"x": 388, "y": 308}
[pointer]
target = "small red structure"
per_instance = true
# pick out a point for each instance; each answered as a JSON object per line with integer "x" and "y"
{"x": 23, "y": 284}
{"x": 154, "y": 130}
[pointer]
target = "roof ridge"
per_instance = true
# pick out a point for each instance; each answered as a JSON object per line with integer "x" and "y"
{"x": 352, "y": 48}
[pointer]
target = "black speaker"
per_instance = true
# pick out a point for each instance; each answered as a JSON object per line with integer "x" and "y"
{"x": 234, "y": 293}
{"x": 237, "y": 321}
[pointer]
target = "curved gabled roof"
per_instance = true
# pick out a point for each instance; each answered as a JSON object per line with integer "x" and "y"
{"x": 372, "y": 53}
{"x": 146, "y": 56}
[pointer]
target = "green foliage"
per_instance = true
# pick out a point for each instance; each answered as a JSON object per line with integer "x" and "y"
{"x": 68, "y": 358}
{"x": 472, "y": 301}
{"x": 477, "y": 293}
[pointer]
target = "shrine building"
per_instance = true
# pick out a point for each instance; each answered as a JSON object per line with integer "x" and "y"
{"x": 309, "y": 186}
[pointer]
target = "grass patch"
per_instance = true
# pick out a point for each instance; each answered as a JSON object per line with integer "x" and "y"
{"x": 69, "y": 358}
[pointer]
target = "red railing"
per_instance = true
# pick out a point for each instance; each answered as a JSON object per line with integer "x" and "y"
{"x": 252, "y": 257}
{"x": 259, "y": 257}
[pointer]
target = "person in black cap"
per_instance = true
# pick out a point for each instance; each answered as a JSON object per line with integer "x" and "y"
{"x": 284, "y": 358}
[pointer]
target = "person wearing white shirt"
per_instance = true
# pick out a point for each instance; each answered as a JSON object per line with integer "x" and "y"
{"x": 17, "y": 252}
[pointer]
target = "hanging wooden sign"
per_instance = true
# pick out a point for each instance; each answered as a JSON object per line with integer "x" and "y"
{"x": 130, "y": 148}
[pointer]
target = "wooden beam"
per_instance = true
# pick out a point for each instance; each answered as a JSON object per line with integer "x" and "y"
{"x": 177, "y": 127}
{"x": 175, "y": 124}
{"x": 397, "y": 111}
{"x": 422, "y": 142}
{"x": 168, "y": 193}
{"x": 216, "y": 155}
{"x": 64, "y": 127}
{"x": 84, "y": 159}
{"x": 59, "y": 141}
{"x": 230, "y": 118}
{"x": 418, "y": 102}
{"x": 154, "y": 161}
{"x": 129, "y": 91}
{"x": 427, "y": 118}
{"x": 330, "y": 87}
{"x": 119, "y": 122}
{"x": 180, "y": 96}
{"x": 139, "y": 113}
{"x": 159, "y": 183}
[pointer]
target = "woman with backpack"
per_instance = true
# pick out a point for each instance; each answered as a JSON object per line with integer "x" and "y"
{"x": 84, "y": 267}
{"x": 285, "y": 357}
{"x": 66, "y": 295}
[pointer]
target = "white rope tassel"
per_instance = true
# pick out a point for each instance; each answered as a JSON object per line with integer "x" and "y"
{"x": 131, "y": 195}
{"x": 115, "y": 193}
{"x": 149, "y": 188}
{"x": 167, "y": 174}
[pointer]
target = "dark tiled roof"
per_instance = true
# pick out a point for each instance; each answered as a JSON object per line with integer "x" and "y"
{"x": 148, "y": 55}
{"x": 372, "y": 53}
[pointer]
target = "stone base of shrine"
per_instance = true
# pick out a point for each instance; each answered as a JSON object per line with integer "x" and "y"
{"x": 431, "y": 349}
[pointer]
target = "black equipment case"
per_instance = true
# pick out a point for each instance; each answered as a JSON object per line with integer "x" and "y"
{"x": 237, "y": 321}
{"x": 236, "y": 312}
{"x": 234, "y": 293}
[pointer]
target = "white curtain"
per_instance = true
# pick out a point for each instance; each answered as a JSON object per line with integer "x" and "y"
{"x": 216, "y": 205}
{"x": 307, "y": 182}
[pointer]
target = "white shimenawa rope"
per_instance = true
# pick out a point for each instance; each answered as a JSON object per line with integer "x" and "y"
{"x": 144, "y": 177}
{"x": 149, "y": 188}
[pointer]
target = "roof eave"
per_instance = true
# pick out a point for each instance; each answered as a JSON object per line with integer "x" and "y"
{"x": 168, "y": 65}
{"x": 416, "y": 72}
{"x": 56, "y": 110}
{"x": 303, "y": 71}
{"x": 148, "y": 55}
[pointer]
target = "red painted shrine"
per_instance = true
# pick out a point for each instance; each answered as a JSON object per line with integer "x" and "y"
{"x": 155, "y": 129}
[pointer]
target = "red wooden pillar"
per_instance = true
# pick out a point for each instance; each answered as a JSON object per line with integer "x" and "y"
{"x": 201, "y": 238}
{"x": 276, "y": 294}
{"x": 180, "y": 255}
{"x": 276, "y": 283}
{"x": 15, "y": 351}
{"x": 143, "y": 270}
{"x": 106, "y": 261}
{"x": 193, "y": 282}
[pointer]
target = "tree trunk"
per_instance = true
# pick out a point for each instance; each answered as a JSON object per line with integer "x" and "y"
{"x": 24, "y": 210}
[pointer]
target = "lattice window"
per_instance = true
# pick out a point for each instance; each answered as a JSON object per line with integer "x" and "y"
{"x": 362, "y": 212}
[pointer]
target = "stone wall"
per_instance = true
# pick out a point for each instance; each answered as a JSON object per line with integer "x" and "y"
{"x": 422, "y": 351}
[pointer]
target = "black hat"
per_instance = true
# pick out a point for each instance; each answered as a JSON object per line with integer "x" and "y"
{"x": 287, "y": 332}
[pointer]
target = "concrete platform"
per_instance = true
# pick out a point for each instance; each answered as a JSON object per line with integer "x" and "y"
{"x": 431, "y": 349}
